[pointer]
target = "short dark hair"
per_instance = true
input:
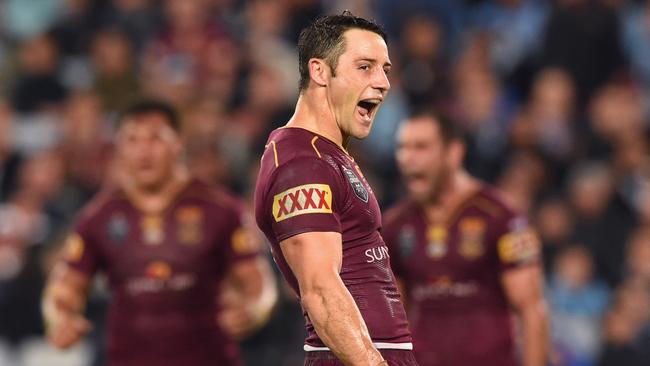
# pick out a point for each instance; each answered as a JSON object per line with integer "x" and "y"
{"x": 448, "y": 128}
{"x": 148, "y": 106}
{"x": 324, "y": 39}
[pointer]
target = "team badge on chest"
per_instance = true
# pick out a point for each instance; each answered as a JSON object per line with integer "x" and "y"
{"x": 357, "y": 185}
{"x": 189, "y": 221}
{"x": 152, "y": 230}
{"x": 406, "y": 241}
{"x": 118, "y": 228}
{"x": 436, "y": 241}
{"x": 472, "y": 235}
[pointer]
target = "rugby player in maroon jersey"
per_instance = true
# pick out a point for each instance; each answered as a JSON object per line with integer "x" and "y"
{"x": 317, "y": 209}
{"x": 168, "y": 245}
{"x": 464, "y": 258}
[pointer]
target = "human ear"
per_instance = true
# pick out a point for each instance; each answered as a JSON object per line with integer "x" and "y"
{"x": 318, "y": 71}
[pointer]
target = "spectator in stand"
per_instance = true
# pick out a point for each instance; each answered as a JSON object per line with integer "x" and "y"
{"x": 577, "y": 302}
{"x": 116, "y": 78}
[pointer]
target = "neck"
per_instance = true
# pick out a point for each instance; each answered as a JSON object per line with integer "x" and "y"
{"x": 457, "y": 189}
{"x": 314, "y": 115}
{"x": 155, "y": 200}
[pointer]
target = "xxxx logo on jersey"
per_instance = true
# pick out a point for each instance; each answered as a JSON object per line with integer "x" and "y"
{"x": 300, "y": 200}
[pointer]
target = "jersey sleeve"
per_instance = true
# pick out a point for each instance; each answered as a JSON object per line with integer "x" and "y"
{"x": 242, "y": 240}
{"x": 81, "y": 250}
{"x": 302, "y": 197}
{"x": 517, "y": 243}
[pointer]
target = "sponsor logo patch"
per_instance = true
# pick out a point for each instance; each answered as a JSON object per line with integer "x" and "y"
{"x": 74, "y": 247}
{"x": 158, "y": 269}
{"x": 519, "y": 246}
{"x": 244, "y": 241}
{"x": 301, "y": 200}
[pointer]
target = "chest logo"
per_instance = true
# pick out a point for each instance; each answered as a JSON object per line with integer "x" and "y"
{"x": 118, "y": 228}
{"x": 152, "y": 230}
{"x": 472, "y": 235}
{"x": 436, "y": 241}
{"x": 301, "y": 200}
{"x": 357, "y": 186}
{"x": 189, "y": 221}
{"x": 158, "y": 269}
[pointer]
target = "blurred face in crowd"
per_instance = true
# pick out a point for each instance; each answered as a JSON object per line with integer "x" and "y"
{"x": 425, "y": 160}
{"x": 553, "y": 95}
{"x": 359, "y": 83}
{"x": 149, "y": 150}
{"x": 638, "y": 256}
{"x": 422, "y": 37}
{"x": 186, "y": 14}
{"x": 43, "y": 175}
{"x": 111, "y": 53}
{"x": 591, "y": 189}
{"x": 575, "y": 267}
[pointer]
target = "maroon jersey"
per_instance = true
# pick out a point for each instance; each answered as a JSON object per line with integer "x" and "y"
{"x": 164, "y": 273}
{"x": 451, "y": 272}
{"x": 307, "y": 183}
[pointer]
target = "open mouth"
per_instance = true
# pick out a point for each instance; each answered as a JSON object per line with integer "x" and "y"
{"x": 413, "y": 176}
{"x": 367, "y": 107}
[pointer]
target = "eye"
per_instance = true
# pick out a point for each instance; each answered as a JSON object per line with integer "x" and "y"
{"x": 364, "y": 67}
{"x": 387, "y": 70}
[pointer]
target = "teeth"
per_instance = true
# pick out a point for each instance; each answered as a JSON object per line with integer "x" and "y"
{"x": 372, "y": 101}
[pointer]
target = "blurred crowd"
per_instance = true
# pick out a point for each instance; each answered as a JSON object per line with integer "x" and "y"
{"x": 553, "y": 96}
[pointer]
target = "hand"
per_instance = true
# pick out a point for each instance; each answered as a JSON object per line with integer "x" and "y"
{"x": 237, "y": 318}
{"x": 236, "y": 321}
{"x": 67, "y": 329}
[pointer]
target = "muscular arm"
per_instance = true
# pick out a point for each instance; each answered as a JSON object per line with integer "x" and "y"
{"x": 315, "y": 259}
{"x": 523, "y": 288}
{"x": 249, "y": 294}
{"x": 63, "y": 304}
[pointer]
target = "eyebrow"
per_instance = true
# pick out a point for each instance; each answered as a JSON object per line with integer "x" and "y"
{"x": 374, "y": 61}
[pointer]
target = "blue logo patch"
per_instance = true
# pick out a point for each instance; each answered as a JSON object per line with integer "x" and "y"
{"x": 406, "y": 241}
{"x": 118, "y": 228}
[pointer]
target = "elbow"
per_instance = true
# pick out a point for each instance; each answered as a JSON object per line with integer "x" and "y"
{"x": 315, "y": 299}
{"x": 311, "y": 298}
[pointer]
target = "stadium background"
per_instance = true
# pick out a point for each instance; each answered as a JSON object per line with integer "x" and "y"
{"x": 552, "y": 95}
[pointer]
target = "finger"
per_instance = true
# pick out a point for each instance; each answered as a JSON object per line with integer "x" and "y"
{"x": 82, "y": 325}
{"x": 64, "y": 337}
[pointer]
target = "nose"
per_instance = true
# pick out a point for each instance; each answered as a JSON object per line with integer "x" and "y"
{"x": 380, "y": 81}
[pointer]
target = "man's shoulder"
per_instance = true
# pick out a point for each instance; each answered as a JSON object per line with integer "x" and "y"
{"x": 102, "y": 201}
{"x": 399, "y": 212}
{"x": 290, "y": 145}
{"x": 212, "y": 196}
{"x": 492, "y": 203}
{"x": 97, "y": 208}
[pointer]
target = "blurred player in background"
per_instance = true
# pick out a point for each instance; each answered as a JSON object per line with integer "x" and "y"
{"x": 317, "y": 209}
{"x": 169, "y": 246}
{"x": 463, "y": 256}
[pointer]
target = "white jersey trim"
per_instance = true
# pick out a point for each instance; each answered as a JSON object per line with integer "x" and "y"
{"x": 378, "y": 345}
